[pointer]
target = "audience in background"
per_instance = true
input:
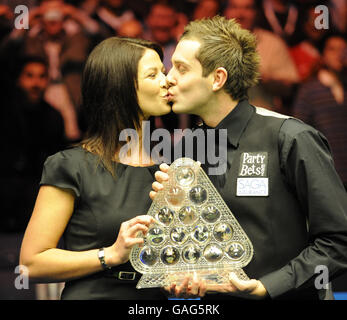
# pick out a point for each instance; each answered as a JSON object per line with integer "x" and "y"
{"x": 206, "y": 9}
{"x": 282, "y": 18}
{"x": 161, "y": 23}
{"x": 64, "y": 46}
{"x": 306, "y": 54}
{"x": 132, "y": 29}
{"x": 322, "y": 103}
{"x": 111, "y": 14}
{"x": 31, "y": 130}
{"x": 338, "y": 9}
{"x": 6, "y": 21}
{"x": 278, "y": 71}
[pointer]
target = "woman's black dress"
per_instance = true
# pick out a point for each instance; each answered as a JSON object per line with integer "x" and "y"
{"x": 102, "y": 204}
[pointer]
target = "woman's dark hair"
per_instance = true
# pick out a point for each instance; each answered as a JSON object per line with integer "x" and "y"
{"x": 109, "y": 99}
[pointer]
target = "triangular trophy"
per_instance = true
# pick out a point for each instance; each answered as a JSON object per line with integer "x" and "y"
{"x": 195, "y": 232}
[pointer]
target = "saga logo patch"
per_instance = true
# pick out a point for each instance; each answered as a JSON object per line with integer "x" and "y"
{"x": 252, "y": 187}
{"x": 253, "y": 164}
{"x": 253, "y": 178}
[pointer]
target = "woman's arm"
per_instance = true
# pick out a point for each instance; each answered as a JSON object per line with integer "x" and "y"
{"x": 46, "y": 263}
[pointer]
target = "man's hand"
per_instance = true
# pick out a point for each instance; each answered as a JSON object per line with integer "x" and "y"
{"x": 248, "y": 289}
{"x": 194, "y": 286}
{"x": 190, "y": 288}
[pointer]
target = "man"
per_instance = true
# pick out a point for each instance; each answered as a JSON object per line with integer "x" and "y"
{"x": 300, "y": 221}
{"x": 32, "y": 130}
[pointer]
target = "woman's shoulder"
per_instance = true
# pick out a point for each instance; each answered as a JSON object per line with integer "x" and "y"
{"x": 70, "y": 158}
{"x": 73, "y": 154}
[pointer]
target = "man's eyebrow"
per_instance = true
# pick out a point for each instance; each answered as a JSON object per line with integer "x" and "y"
{"x": 177, "y": 61}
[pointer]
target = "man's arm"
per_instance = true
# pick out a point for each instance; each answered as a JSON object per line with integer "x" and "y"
{"x": 308, "y": 168}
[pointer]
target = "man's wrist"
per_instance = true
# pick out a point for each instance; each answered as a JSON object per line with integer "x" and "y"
{"x": 260, "y": 291}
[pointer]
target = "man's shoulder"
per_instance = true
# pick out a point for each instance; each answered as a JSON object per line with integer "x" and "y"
{"x": 290, "y": 127}
{"x": 269, "y": 113}
{"x": 298, "y": 134}
{"x": 294, "y": 127}
{"x": 290, "y": 123}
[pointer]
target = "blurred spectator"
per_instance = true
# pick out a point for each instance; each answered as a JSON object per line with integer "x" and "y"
{"x": 74, "y": 19}
{"x": 306, "y": 54}
{"x": 6, "y": 25}
{"x": 206, "y": 9}
{"x": 32, "y": 130}
{"x": 88, "y": 6}
{"x": 338, "y": 10}
{"x": 6, "y": 20}
{"x": 162, "y": 25}
{"x": 131, "y": 29}
{"x": 322, "y": 101}
{"x": 65, "y": 48}
{"x": 277, "y": 69}
{"x": 282, "y": 18}
{"x": 111, "y": 14}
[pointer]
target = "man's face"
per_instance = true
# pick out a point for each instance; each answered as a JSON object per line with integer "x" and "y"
{"x": 161, "y": 21}
{"x": 33, "y": 81}
{"x": 333, "y": 53}
{"x": 53, "y": 27}
{"x": 189, "y": 91}
{"x": 53, "y": 17}
{"x": 243, "y": 11}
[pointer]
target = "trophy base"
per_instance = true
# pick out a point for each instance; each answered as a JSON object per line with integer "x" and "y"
{"x": 212, "y": 277}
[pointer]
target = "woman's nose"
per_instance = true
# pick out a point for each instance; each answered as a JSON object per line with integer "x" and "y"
{"x": 163, "y": 81}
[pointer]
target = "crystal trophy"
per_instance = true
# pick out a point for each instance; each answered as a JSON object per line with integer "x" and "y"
{"x": 195, "y": 231}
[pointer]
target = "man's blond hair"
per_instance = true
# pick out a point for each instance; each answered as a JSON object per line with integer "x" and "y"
{"x": 225, "y": 44}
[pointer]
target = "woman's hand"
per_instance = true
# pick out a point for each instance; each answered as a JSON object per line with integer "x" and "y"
{"x": 160, "y": 177}
{"x": 119, "y": 252}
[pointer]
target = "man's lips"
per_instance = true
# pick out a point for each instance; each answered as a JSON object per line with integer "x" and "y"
{"x": 170, "y": 96}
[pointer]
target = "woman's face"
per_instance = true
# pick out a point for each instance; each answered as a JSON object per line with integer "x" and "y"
{"x": 152, "y": 86}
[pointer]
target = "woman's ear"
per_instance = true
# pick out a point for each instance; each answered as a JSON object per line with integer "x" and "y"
{"x": 220, "y": 77}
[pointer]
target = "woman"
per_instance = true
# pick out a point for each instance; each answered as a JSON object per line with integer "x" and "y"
{"x": 87, "y": 192}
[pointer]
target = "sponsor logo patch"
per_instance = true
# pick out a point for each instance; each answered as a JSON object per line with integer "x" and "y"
{"x": 253, "y": 176}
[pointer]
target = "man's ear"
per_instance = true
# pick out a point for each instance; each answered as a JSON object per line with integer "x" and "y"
{"x": 220, "y": 77}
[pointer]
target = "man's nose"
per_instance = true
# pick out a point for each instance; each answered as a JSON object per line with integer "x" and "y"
{"x": 170, "y": 79}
